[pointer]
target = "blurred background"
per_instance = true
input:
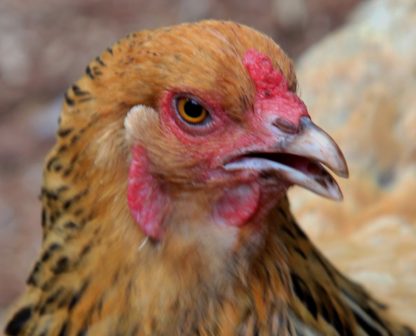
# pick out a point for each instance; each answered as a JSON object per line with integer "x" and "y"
{"x": 357, "y": 73}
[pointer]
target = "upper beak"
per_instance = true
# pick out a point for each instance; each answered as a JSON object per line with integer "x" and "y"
{"x": 299, "y": 159}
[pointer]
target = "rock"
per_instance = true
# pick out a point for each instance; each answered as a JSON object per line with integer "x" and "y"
{"x": 359, "y": 84}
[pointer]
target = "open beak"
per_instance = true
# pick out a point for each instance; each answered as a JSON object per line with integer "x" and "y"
{"x": 300, "y": 160}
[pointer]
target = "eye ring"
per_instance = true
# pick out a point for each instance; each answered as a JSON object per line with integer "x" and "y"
{"x": 191, "y": 111}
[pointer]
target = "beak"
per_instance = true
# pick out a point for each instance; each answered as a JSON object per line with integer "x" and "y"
{"x": 300, "y": 159}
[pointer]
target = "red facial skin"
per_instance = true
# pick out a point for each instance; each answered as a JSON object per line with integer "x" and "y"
{"x": 242, "y": 193}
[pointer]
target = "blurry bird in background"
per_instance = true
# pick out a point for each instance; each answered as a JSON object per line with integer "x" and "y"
{"x": 164, "y": 198}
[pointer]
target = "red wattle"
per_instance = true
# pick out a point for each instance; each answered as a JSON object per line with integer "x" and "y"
{"x": 237, "y": 205}
{"x": 146, "y": 199}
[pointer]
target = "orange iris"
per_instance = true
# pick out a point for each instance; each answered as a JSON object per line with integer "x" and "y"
{"x": 191, "y": 111}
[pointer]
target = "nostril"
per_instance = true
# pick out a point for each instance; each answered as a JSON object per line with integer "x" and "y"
{"x": 285, "y": 125}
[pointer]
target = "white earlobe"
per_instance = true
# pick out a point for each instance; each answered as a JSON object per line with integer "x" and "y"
{"x": 137, "y": 120}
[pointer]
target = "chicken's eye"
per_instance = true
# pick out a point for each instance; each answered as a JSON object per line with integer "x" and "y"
{"x": 191, "y": 111}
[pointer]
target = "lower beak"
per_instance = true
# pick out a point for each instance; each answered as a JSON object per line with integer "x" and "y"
{"x": 300, "y": 159}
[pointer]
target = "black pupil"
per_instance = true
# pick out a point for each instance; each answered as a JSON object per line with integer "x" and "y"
{"x": 193, "y": 109}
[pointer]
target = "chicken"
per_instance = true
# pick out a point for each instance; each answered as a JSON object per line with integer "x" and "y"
{"x": 164, "y": 198}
